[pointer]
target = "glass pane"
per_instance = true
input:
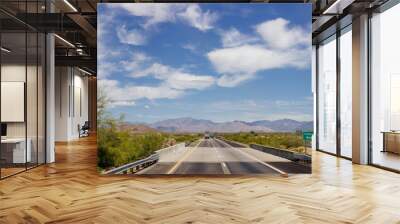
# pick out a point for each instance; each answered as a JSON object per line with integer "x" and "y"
{"x": 13, "y": 86}
{"x": 346, "y": 94}
{"x": 327, "y": 96}
{"x": 41, "y": 98}
{"x": 386, "y": 89}
{"x": 31, "y": 97}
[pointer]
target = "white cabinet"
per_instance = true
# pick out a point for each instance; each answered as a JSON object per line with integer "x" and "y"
{"x": 19, "y": 155}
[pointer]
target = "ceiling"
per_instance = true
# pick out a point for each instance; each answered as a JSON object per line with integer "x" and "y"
{"x": 75, "y": 22}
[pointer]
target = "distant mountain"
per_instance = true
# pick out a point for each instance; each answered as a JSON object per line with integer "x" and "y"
{"x": 184, "y": 125}
{"x": 200, "y": 125}
{"x": 136, "y": 128}
{"x": 285, "y": 125}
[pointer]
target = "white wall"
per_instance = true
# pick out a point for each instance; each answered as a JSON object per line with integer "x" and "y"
{"x": 62, "y": 81}
{"x": 71, "y": 87}
{"x": 33, "y": 126}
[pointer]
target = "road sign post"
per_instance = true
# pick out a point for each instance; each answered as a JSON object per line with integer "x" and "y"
{"x": 307, "y": 137}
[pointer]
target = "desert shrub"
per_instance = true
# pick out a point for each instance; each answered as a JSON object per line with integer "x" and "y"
{"x": 276, "y": 140}
{"x": 117, "y": 147}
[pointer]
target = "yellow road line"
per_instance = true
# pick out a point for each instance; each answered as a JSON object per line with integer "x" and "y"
{"x": 177, "y": 164}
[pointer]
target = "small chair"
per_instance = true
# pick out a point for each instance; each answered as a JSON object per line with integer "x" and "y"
{"x": 84, "y": 130}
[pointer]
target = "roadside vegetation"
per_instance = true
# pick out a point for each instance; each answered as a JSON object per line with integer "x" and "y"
{"x": 118, "y": 146}
{"x": 289, "y": 141}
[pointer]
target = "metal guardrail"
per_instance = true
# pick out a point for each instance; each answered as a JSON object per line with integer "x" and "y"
{"x": 173, "y": 147}
{"x": 233, "y": 143}
{"x": 134, "y": 166}
{"x": 290, "y": 155}
{"x": 143, "y": 163}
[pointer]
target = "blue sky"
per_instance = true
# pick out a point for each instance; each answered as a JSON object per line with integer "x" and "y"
{"x": 220, "y": 62}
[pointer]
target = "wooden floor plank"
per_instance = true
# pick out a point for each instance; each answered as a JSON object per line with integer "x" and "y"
{"x": 71, "y": 191}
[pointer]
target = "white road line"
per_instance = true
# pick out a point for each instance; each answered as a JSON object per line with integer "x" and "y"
{"x": 225, "y": 168}
{"x": 177, "y": 164}
{"x": 256, "y": 159}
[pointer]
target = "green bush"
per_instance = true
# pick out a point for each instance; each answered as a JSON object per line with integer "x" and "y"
{"x": 117, "y": 147}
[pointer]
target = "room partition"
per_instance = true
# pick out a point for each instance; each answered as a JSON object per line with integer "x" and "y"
{"x": 22, "y": 77}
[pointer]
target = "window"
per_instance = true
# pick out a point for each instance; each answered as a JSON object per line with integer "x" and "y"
{"x": 385, "y": 89}
{"x": 346, "y": 93}
{"x": 327, "y": 95}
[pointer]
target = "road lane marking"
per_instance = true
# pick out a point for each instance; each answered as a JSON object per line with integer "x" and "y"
{"x": 256, "y": 159}
{"x": 224, "y": 167}
{"x": 177, "y": 164}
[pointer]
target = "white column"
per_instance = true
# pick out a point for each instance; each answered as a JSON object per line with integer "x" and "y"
{"x": 62, "y": 103}
{"x": 360, "y": 89}
{"x": 50, "y": 99}
{"x": 50, "y": 92}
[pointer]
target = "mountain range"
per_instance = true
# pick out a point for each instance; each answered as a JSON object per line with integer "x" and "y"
{"x": 188, "y": 124}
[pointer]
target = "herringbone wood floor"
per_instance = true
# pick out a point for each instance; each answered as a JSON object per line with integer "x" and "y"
{"x": 70, "y": 191}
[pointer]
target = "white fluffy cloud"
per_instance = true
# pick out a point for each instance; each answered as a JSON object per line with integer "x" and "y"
{"x": 156, "y": 13}
{"x": 125, "y": 95}
{"x": 175, "y": 78}
{"x": 135, "y": 63}
{"x": 196, "y": 18}
{"x": 172, "y": 82}
{"x": 133, "y": 36}
{"x": 106, "y": 69}
{"x": 238, "y": 64}
{"x": 233, "y": 38}
{"x": 253, "y": 58}
{"x": 181, "y": 80}
{"x": 240, "y": 59}
{"x": 278, "y": 34}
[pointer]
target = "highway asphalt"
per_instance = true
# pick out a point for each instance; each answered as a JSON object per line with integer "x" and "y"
{"x": 214, "y": 156}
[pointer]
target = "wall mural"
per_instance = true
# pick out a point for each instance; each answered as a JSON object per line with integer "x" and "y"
{"x": 204, "y": 89}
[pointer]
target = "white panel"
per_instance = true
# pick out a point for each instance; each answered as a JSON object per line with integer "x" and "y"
{"x": 346, "y": 94}
{"x": 327, "y": 96}
{"x": 50, "y": 93}
{"x": 12, "y": 101}
{"x": 395, "y": 102}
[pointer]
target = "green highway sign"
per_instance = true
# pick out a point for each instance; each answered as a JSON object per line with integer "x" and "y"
{"x": 307, "y": 136}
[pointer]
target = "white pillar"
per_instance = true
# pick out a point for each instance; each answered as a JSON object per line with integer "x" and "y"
{"x": 360, "y": 89}
{"x": 50, "y": 99}
{"x": 50, "y": 92}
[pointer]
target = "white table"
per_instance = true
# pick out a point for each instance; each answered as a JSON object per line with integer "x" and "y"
{"x": 19, "y": 155}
